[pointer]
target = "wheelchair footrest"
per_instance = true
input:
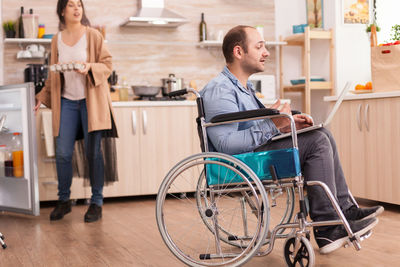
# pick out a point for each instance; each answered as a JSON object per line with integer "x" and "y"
{"x": 357, "y": 240}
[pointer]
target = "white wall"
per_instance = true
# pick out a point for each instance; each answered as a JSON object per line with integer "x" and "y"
{"x": 353, "y": 62}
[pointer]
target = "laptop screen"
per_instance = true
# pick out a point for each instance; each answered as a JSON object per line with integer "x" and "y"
{"x": 338, "y": 102}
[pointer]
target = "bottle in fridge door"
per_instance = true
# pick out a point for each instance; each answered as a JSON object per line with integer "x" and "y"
{"x": 8, "y": 163}
{"x": 17, "y": 155}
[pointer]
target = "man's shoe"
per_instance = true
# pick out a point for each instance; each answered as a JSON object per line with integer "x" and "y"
{"x": 93, "y": 213}
{"x": 62, "y": 208}
{"x": 354, "y": 214}
{"x": 330, "y": 238}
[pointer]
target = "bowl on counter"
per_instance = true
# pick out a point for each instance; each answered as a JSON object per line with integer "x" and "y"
{"x": 146, "y": 91}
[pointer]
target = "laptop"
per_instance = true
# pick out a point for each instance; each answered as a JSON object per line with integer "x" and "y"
{"x": 326, "y": 122}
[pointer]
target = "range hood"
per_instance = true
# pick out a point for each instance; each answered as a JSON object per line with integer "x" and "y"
{"x": 152, "y": 13}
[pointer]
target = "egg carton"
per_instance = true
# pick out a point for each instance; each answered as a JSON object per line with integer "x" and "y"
{"x": 66, "y": 67}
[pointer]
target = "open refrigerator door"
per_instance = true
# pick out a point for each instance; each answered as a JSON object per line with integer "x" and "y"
{"x": 19, "y": 178}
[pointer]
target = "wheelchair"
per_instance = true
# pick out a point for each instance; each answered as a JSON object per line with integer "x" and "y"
{"x": 215, "y": 209}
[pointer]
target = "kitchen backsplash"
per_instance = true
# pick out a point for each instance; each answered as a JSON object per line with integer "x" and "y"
{"x": 149, "y": 54}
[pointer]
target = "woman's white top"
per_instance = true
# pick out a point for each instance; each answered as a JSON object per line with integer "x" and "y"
{"x": 74, "y": 83}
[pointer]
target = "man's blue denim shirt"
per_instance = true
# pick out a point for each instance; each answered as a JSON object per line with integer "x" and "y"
{"x": 225, "y": 94}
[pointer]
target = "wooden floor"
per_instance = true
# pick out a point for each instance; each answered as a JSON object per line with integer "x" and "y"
{"x": 128, "y": 236}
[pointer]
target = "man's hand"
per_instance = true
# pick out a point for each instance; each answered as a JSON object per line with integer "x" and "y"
{"x": 276, "y": 105}
{"x": 281, "y": 122}
{"x": 302, "y": 121}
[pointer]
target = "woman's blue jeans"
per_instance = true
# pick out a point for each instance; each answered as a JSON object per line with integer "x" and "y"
{"x": 73, "y": 118}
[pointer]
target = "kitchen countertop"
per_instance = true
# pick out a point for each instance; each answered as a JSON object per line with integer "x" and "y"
{"x": 143, "y": 103}
{"x": 364, "y": 96}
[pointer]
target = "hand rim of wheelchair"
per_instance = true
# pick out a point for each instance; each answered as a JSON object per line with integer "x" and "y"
{"x": 262, "y": 199}
{"x": 286, "y": 218}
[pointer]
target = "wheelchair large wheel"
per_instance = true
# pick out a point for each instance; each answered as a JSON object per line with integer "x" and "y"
{"x": 304, "y": 257}
{"x": 196, "y": 240}
{"x": 281, "y": 211}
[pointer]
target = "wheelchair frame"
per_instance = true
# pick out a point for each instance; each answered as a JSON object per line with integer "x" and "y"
{"x": 297, "y": 239}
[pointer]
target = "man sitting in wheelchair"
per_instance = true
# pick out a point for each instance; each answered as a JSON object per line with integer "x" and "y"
{"x": 245, "y": 54}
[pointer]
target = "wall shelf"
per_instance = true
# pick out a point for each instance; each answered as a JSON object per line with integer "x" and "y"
{"x": 304, "y": 40}
{"x": 215, "y": 43}
{"x": 27, "y": 41}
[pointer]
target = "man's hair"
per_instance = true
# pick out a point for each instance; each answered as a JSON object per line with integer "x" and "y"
{"x": 235, "y": 36}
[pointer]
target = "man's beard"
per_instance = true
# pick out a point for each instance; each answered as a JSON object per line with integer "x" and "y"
{"x": 252, "y": 68}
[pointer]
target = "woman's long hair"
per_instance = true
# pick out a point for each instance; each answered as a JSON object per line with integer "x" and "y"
{"x": 61, "y": 4}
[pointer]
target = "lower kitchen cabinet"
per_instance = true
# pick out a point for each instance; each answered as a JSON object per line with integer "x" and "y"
{"x": 367, "y": 135}
{"x": 165, "y": 139}
{"x": 151, "y": 141}
{"x": 128, "y": 156}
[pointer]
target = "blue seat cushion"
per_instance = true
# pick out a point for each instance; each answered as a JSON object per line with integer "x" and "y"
{"x": 285, "y": 161}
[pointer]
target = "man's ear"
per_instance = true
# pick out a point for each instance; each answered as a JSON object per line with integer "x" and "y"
{"x": 238, "y": 52}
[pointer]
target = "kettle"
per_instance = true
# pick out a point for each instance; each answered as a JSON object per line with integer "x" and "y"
{"x": 171, "y": 84}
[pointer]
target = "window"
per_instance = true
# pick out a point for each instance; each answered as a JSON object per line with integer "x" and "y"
{"x": 387, "y": 15}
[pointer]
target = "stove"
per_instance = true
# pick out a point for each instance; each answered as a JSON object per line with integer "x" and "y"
{"x": 159, "y": 98}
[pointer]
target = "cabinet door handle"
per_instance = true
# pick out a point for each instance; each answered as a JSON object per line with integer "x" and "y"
{"x": 133, "y": 122}
{"x": 366, "y": 117}
{"x": 144, "y": 116}
{"x": 359, "y": 117}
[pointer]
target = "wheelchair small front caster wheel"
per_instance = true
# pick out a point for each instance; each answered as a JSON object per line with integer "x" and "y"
{"x": 4, "y": 246}
{"x": 305, "y": 255}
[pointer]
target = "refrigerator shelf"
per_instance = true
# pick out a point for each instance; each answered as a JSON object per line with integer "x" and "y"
{"x": 10, "y": 109}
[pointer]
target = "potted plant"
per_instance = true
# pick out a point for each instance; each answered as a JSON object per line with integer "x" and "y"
{"x": 9, "y": 28}
{"x": 395, "y": 33}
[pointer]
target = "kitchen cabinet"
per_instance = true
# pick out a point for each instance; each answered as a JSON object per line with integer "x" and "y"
{"x": 367, "y": 134}
{"x": 128, "y": 154}
{"x": 165, "y": 139}
{"x": 304, "y": 40}
{"x": 152, "y": 139}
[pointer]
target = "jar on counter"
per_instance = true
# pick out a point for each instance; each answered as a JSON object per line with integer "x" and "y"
{"x": 124, "y": 91}
{"x": 17, "y": 155}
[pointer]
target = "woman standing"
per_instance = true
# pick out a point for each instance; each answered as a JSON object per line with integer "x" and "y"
{"x": 80, "y": 102}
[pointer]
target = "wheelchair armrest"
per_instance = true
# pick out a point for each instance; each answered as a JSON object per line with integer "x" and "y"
{"x": 294, "y": 112}
{"x": 245, "y": 115}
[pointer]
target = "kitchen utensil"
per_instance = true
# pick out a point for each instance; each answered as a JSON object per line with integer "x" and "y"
{"x": 33, "y": 48}
{"x": 24, "y": 54}
{"x": 113, "y": 79}
{"x": 171, "y": 84}
{"x": 147, "y": 91}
